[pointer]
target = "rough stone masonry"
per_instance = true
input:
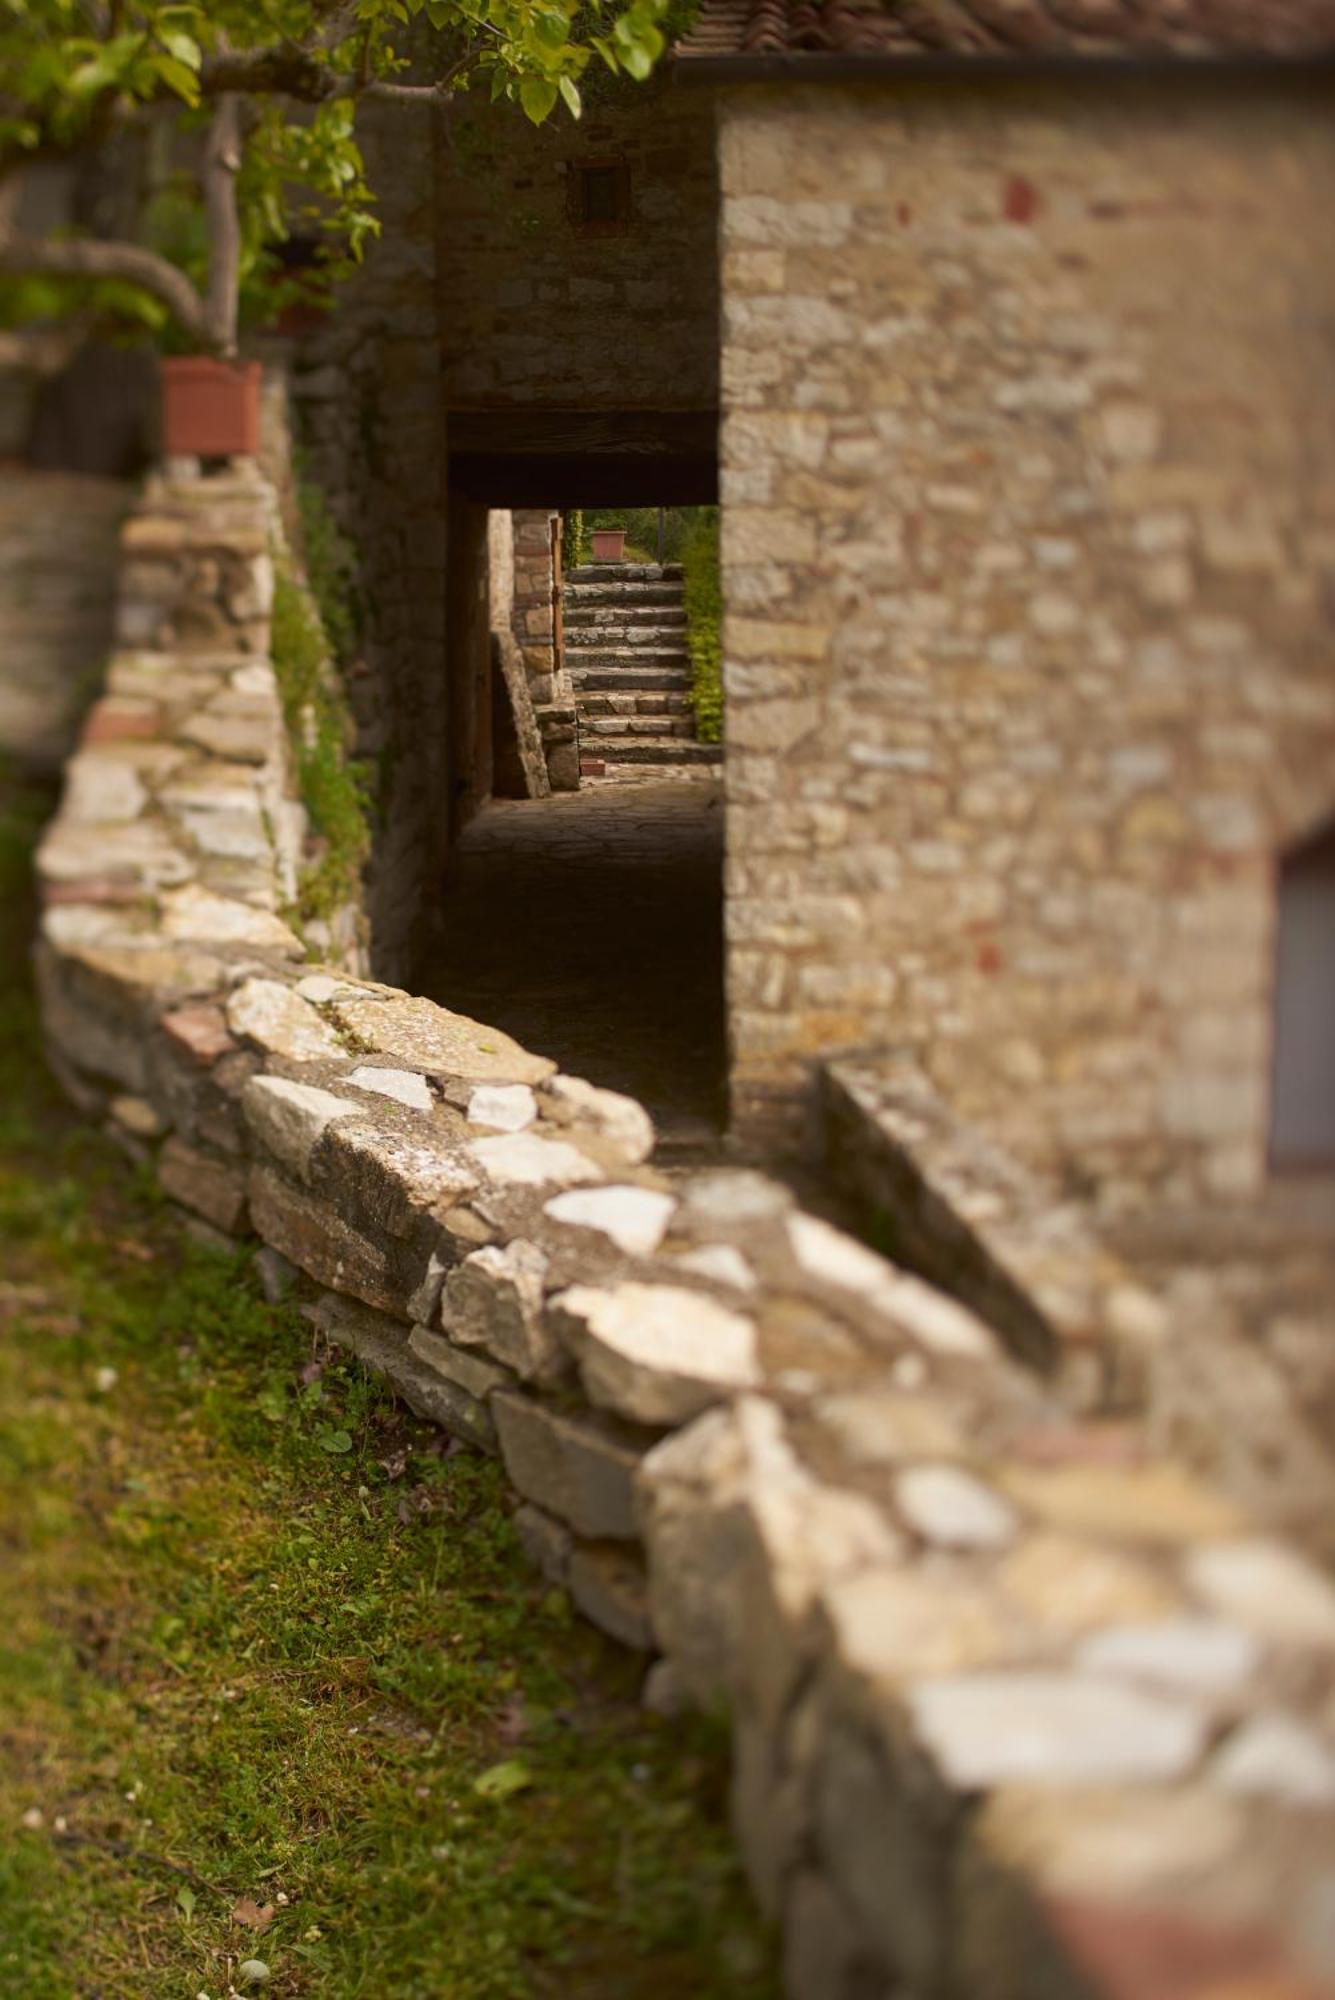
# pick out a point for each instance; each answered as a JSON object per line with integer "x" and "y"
{"x": 1020, "y": 1704}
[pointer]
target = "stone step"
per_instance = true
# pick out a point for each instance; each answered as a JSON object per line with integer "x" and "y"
{"x": 660, "y": 750}
{"x": 622, "y": 594}
{"x": 617, "y": 621}
{"x": 634, "y": 704}
{"x": 629, "y": 680}
{"x": 625, "y": 638}
{"x": 584, "y": 657}
{"x": 619, "y": 728}
{"x": 625, "y": 572}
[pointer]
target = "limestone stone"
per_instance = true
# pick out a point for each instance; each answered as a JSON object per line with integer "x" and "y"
{"x": 620, "y": 1120}
{"x": 503, "y": 1107}
{"x": 636, "y": 1219}
{"x": 713, "y": 1204}
{"x": 523, "y": 1159}
{"x": 200, "y": 1029}
{"x": 306, "y": 1231}
{"x": 389, "y": 1180}
{"x": 1068, "y": 1585}
{"x": 195, "y": 915}
{"x": 893, "y": 1624}
{"x": 656, "y": 1353}
{"x": 141, "y": 852}
{"x": 101, "y": 789}
{"x": 405, "y": 1086}
{"x": 904, "y": 1303}
{"x": 288, "y": 1118}
{"x": 457, "y": 1364}
{"x": 546, "y": 1541}
{"x": 721, "y": 1263}
{"x": 1151, "y": 1503}
{"x": 138, "y": 1117}
{"x": 572, "y": 1466}
{"x": 381, "y": 1341}
{"x": 277, "y": 1020}
{"x": 876, "y": 1426}
{"x": 425, "y": 1037}
{"x": 1054, "y": 1729}
{"x": 1277, "y": 1756}
{"x": 1267, "y": 1588}
{"x": 1191, "y": 1653}
{"x": 949, "y": 1507}
{"x": 608, "y": 1585}
{"x": 210, "y": 1187}
{"x": 1111, "y": 1841}
{"x": 494, "y": 1300}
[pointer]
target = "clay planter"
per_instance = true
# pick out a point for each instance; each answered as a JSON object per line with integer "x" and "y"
{"x": 609, "y": 545}
{"x": 210, "y": 409}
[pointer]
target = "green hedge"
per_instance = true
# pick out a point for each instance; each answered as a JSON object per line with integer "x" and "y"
{"x": 704, "y": 622}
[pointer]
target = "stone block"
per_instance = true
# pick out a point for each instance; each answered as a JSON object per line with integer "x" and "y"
{"x": 570, "y": 1464}
{"x": 215, "y": 1189}
{"x": 608, "y": 1585}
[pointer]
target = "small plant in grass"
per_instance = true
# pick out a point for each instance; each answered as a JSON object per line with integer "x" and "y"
{"x": 704, "y": 623}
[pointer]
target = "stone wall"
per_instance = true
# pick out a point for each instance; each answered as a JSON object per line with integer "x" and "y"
{"x": 538, "y": 308}
{"x": 1020, "y": 1705}
{"x": 369, "y": 411}
{"x": 537, "y": 585}
{"x": 1029, "y": 545}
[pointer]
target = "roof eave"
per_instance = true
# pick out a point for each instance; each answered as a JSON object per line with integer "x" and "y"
{"x": 805, "y": 66}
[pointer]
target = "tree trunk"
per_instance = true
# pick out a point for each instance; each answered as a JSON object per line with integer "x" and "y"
{"x": 222, "y": 163}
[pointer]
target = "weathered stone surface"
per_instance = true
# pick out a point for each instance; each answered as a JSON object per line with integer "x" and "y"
{"x": 523, "y": 1159}
{"x": 211, "y": 1187}
{"x": 405, "y": 1086}
{"x": 546, "y": 1541}
{"x": 425, "y": 1037}
{"x": 621, "y": 1121}
{"x": 951, "y": 1508}
{"x": 608, "y": 1585}
{"x": 904, "y": 1304}
{"x": 388, "y": 1181}
{"x": 655, "y": 1353}
{"x": 572, "y": 1466}
{"x": 721, "y": 1263}
{"x": 876, "y": 1426}
{"x": 893, "y": 1624}
{"x": 288, "y": 1118}
{"x": 196, "y": 916}
{"x": 1198, "y": 1653}
{"x": 306, "y": 1231}
{"x": 277, "y": 1020}
{"x": 636, "y": 1219}
{"x": 494, "y": 1299}
{"x": 503, "y": 1107}
{"x": 137, "y": 1116}
{"x": 1054, "y": 1729}
{"x": 1267, "y": 1588}
{"x": 1152, "y": 1503}
{"x": 382, "y": 1343}
{"x": 1276, "y": 1756}
{"x": 457, "y": 1364}
{"x": 1066, "y": 1585}
{"x": 201, "y": 1030}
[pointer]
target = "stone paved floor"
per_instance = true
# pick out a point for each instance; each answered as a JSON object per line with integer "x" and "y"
{"x": 589, "y": 926}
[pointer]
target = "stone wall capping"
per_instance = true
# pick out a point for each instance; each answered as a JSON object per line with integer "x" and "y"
{"x": 1005, "y": 1674}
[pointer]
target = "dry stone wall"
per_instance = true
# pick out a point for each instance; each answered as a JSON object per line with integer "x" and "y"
{"x": 1020, "y": 1706}
{"x": 1029, "y": 468}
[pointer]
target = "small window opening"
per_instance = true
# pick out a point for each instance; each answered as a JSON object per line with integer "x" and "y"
{"x": 1302, "y": 1132}
{"x": 599, "y": 191}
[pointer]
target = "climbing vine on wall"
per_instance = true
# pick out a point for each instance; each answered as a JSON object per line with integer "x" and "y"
{"x": 316, "y": 623}
{"x": 704, "y": 622}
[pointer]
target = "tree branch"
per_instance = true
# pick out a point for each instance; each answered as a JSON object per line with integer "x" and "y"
{"x": 221, "y": 165}
{"x": 31, "y": 256}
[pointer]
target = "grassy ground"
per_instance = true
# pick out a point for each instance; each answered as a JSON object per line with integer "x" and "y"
{"x": 275, "y": 1685}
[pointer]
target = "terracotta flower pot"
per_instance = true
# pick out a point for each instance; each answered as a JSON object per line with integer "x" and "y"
{"x": 609, "y": 544}
{"x": 210, "y": 409}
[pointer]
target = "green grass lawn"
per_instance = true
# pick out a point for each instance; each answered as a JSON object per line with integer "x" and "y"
{"x": 275, "y": 1683}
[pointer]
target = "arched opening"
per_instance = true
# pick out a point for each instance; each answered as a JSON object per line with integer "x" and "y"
{"x": 1302, "y": 1123}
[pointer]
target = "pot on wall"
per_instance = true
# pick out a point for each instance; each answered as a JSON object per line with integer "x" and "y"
{"x": 210, "y": 409}
{"x": 609, "y": 544}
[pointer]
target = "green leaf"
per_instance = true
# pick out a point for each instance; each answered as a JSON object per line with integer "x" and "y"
{"x": 185, "y": 1902}
{"x": 537, "y": 96}
{"x": 570, "y": 92}
{"x": 336, "y": 1442}
{"x": 178, "y": 78}
{"x": 638, "y": 62}
{"x": 503, "y": 1780}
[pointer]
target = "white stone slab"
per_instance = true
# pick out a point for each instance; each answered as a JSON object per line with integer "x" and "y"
{"x": 288, "y": 1118}
{"x": 1268, "y": 1588}
{"x": 636, "y": 1219}
{"x": 951, "y": 1508}
{"x": 522, "y": 1159}
{"x": 656, "y": 1353}
{"x": 1053, "y": 1729}
{"x": 271, "y": 1015}
{"x": 405, "y": 1086}
{"x": 503, "y": 1107}
{"x": 1202, "y": 1653}
{"x": 1276, "y": 1756}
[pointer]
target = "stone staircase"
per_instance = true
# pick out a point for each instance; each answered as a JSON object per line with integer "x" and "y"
{"x": 625, "y": 651}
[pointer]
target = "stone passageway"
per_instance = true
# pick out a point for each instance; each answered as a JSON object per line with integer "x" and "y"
{"x": 589, "y": 926}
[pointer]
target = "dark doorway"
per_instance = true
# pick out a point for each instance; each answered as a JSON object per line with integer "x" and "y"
{"x": 1302, "y": 1132}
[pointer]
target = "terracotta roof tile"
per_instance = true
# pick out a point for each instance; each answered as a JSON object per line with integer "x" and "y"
{"x": 914, "y": 29}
